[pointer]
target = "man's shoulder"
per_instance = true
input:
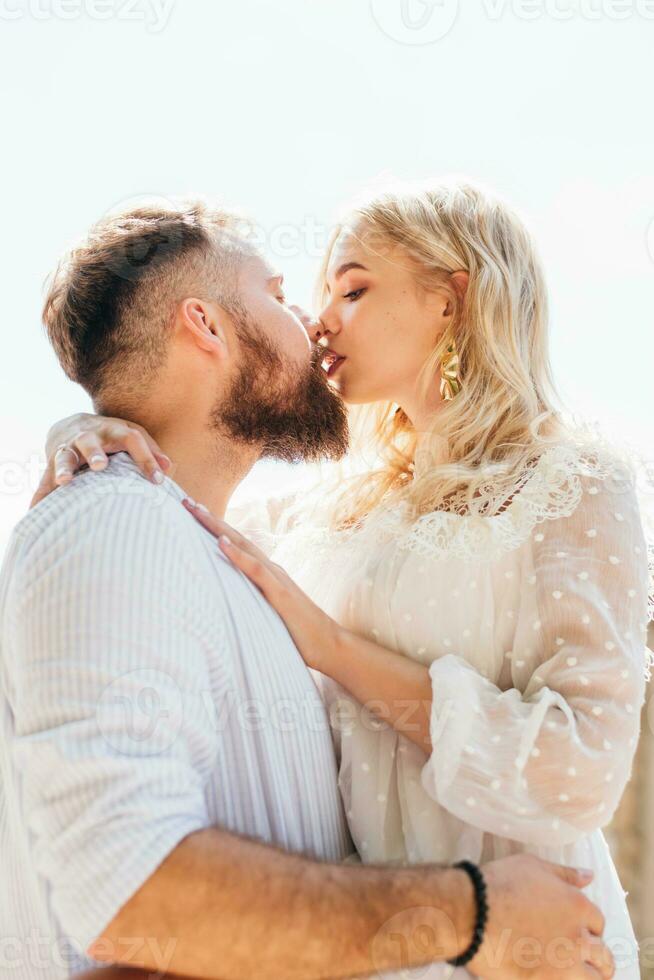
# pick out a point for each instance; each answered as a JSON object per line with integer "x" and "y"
{"x": 118, "y": 495}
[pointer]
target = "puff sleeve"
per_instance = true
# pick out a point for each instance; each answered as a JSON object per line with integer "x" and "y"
{"x": 549, "y": 757}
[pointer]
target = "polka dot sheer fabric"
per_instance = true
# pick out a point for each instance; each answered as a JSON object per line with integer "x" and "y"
{"x": 533, "y": 625}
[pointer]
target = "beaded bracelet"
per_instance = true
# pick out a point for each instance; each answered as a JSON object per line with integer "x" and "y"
{"x": 479, "y": 886}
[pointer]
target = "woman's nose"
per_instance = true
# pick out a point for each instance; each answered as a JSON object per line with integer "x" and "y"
{"x": 329, "y": 321}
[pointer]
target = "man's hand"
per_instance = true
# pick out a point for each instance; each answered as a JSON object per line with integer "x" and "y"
{"x": 540, "y": 923}
{"x": 84, "y": 439}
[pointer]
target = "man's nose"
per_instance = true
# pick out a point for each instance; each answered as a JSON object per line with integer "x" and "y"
{"x": 314, "y": 327}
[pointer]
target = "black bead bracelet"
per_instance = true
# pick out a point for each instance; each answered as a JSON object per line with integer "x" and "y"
{"x": 479, "y": 886}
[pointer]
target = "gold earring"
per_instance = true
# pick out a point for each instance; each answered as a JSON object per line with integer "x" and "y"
{"x": 450, "y": 380}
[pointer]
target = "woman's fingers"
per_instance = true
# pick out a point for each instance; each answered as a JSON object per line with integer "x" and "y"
{"x": 595, "y": 920}
{"x": 94, "y": 445}
{"x": 579, "y": 877}
{"x": 88, "y": 440}
{"x": 241, "y": 551}
{"x": 46, "y": 486}
{"x": 218, "y": 527}
{"x": 598, "y": 956}
{"x": 91, "y": 446}
{"x": 88, "y": 448}
{"x": 144, "y": 446}
{"x": 142, "y": 450}
{"x": 94, "y": 438}
{"x": 66, "y": 462}
{"x": 203, "y": 516}
{"x": 60, "y": 469}
{"x": 256, "y": 570}
{"x": 165, "y": 462}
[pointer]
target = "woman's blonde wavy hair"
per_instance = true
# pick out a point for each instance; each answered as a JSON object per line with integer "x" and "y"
{"x": 504, "y": 415}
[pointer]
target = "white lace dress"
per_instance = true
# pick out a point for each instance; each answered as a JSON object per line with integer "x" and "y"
{"x": 533, "y": 626}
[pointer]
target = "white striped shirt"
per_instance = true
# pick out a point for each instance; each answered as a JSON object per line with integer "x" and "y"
{"x": 147, "y": 691}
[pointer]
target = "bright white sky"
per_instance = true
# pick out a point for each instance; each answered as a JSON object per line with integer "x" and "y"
{"x": 290, "y": 108}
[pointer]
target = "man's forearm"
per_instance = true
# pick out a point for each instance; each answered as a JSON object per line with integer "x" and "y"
{"x": 225, "y": 907}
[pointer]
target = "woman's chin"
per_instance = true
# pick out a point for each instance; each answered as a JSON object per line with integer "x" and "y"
{"x": 349, "y": 392}
{"x": 353, "y": 398}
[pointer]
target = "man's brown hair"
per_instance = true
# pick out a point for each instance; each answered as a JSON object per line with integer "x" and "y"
{"x": 111, "y": 300}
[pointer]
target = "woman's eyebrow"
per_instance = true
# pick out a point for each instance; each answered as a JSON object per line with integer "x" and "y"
{"x": 342, "y": 269}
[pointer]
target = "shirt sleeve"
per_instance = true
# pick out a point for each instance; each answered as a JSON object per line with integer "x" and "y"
{"x": 548, "y": 758}
{"x": 106, "y": 673}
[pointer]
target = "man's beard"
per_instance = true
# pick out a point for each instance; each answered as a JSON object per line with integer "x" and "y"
{"x": 298, "y": 419}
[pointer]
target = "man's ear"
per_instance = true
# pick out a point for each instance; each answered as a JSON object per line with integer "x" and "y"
{"x": 205, "y": 323}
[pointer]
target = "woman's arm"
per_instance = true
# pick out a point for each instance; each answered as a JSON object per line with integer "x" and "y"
{"x": 392, "y": 687}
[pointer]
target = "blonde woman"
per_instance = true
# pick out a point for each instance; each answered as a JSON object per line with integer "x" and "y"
{"x": 473, "y": 595}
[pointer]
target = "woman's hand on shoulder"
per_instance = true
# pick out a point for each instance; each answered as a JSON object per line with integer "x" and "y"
{"x": 87, "y": 440}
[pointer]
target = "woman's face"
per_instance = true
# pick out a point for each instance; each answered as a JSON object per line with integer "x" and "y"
{"x": 379, "y": 321}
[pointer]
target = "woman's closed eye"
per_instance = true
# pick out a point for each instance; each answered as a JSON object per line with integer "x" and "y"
{"x": 354, "y": 295}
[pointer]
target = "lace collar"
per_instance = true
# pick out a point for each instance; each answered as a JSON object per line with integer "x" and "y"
{"x": 551, "y": 488}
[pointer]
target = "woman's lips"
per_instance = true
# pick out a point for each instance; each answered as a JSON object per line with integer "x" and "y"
{"x": 331, "y": 363}
{"x": 333, "y": 368}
